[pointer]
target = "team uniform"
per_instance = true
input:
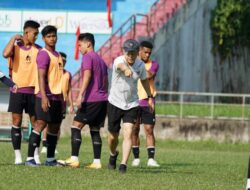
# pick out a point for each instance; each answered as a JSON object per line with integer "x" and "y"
{"x": 92, "y": 111}
{"x": 94, "y": 106}
{"x": 23, "y": 72}
{"x": 123, "y": 98}
{"x": 145, "y": 116}
{"x": 52, "y": 62}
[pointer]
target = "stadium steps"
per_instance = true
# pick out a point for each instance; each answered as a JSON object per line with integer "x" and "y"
{"x": 137, "y": 26}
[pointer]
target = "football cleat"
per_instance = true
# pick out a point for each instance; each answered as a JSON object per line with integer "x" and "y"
{"x": 152, "y": 163}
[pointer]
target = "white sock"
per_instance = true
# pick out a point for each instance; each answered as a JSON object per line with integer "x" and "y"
{"x": 97, "y": 161}
{"x": 74, "y": 158}
{"x": 50, "y": 159}
{"x": 18, "y": 156}
{"x": 36, "y": 155}
{"x": 248, "y": 184}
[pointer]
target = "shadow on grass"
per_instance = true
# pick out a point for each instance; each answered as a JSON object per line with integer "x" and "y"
{"x": 166, "y": 168}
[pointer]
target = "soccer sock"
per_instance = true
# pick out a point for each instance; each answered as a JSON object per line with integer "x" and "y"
{"x": 33, "y": 142}
{"x": 76, "y": 140}
{"x": 248, "y": 176}
{"x": 16, "y": 137}
{"x": 97, "y": 144}
{"x": 151, "y": 152}
{"x": 51, "y": 145}
{"x": 44, "y": 143}
{"x": 136, "y": 151}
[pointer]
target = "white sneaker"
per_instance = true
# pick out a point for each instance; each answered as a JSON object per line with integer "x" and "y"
{"x": 44, "y": 150}
{"x": 18, "y": 162}
{"x": 136, "y": 162}
{"x": 152, "y": 163}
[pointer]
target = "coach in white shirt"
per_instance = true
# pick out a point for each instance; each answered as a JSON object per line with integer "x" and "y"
{"x": 124, "y": 101}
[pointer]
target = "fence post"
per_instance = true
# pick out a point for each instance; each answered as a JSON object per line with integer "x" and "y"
{"x": 212, "y": 107}
{"x": 243, "y": 108}
{"x": 181, "y": 106}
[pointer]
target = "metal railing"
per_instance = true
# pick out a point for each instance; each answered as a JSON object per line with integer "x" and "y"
{"x": 203, "y": 105}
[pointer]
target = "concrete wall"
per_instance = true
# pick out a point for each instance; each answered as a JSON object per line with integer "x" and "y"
{"x": 186, "y": 129}
{"x": 183, "y": 49}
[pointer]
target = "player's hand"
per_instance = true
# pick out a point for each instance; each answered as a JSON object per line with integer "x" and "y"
{"x": 79, "y": 101}
{"x": 18, "y": 37}
{"x": 71, "y": 109}
{"x": 15, "y": 88}
{"x": 128, "y": 72}
{"x": 151, "y": 105}
{"x": 45, "y": 104}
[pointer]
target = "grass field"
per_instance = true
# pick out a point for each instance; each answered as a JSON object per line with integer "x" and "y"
{"x": 203, "y": 110}
{"x": 184, "y": 165}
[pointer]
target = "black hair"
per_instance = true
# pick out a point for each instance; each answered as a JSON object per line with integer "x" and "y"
{"x": 48, "y": 29}
{"x": 146, "y": 44}
{"x": 63, "y": 54}
{"x": 88, "y": 37}
{"x": 31, "y": 24}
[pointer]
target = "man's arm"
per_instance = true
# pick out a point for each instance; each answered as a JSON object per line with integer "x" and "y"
{"x": 145, "y": 85}
{"x": 8, "y": 50}
{"x": 70, "y": 100}
{"x": 41, "y": 80}
{"x": 125, "y": 69}
{"x": 150, "y": 75}
{"x": 86, "y": 79}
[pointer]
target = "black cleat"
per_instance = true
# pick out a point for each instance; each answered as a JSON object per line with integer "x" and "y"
{"x": 123, "y": 168}
{"x": 112, "y": 161}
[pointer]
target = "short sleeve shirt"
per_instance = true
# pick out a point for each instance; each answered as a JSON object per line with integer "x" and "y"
{"x": 123, "y": 91}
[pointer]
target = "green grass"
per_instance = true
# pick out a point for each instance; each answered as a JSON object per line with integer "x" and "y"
{"x": 184, "y": 165}
{"x": 203, "y": 110}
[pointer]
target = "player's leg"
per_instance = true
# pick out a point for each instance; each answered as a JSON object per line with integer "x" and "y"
{"x": 30, "y": 109}
{"x": 16, "y": 108}
{"x": 148, "y": 119}
{"x": 76, "y": 140}
{"x": 98, "y": 112}
{"x": 129, "y": 119}
{"x": 52, "y": 135}
{"x": 44, "y": 140}
{"x": 97, "y": 147}
{"x": 136, "y": 144}
{"x": 34, "y": 140}
{"x": 126, "y": 145}
{"x": 16, "y": 136}
{"x": 54, "y": 123}
{"x": 114, "y": 120}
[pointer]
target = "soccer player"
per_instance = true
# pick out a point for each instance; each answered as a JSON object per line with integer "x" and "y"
{"x": 21, "y": 52}
{"x": 91, "y": 102}
{"x": 67, "y": 95}
{"x": 145, "y": 116}
{"x": 124, "y": 102}
{"x": 48, "y": 91}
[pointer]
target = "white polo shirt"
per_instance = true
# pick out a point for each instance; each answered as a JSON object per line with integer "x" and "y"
{"x": 123, "y": 91}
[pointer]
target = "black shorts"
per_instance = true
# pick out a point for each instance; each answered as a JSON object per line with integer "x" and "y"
{"x": 92, "y": 113}
{"x": 20, "y": 101}
{"x": 146, "y": 117}
{"x": 53, "y": 115}
{"x": 115, "y": 115}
